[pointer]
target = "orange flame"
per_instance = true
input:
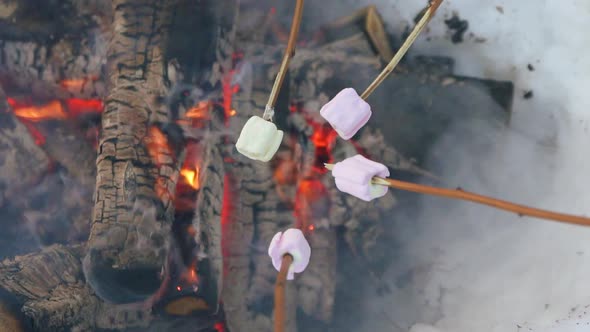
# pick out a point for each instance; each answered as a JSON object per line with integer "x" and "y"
{"x": 52, "y": 110}
{"x": 157, "y": 146}
{"x": 191, "y": 177}
{"x": 200, "y": 111}
{"x": 190, "y": 169}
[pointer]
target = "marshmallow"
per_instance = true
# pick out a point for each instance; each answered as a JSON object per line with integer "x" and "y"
{"x": 259, "y": 139}
{"x": 347, "y": 113}
{"x": 290, "y": 242}
{"x": 353, "y": 176}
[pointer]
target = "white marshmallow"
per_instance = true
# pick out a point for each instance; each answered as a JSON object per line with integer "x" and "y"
{"x": 353, "y": 176}
{"x": 259, "y": 139}
{"x": 291, "y": 242}
{"x": 347, "y": 113}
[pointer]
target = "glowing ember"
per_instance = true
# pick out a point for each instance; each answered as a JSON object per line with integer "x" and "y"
{"x": 190, "y": 277}
{"x": 55, "y": 109}
{"x": 311, "y": 203}
{"x": 190, "y": 230}
{"x": 200, "y": 111}
{"x": 229, "y": 90}
{"x": 161, "y": 154}
{"x": 35, "y": 133}
{"x": 77, "y": 106}
{"x": 219, "y": 327}
{"x": 49, "y": 111}
{"x": 77, "y": 83}
{"x": 286, "y": 172}
{"x": 157, "y": 146}
{"x": 324, "y": 138}
{"x": 178, "y": 288}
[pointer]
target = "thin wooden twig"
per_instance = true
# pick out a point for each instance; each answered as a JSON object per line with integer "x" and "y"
{"x": 428, "y": 14}
{"x": 279, "y": 321}
{"x": 289, "y": 53}
{"x": 521, "y": 210}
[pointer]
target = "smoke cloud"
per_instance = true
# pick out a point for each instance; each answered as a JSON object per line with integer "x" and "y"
{"x": 464, "y": 267}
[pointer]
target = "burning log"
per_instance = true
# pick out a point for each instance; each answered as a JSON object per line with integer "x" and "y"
{"x": 66, "y": 69}
{"x": 55, "y": 297}
{"x": 22, "y": 162}
{"x": 137, "y": 170}
{"x": 54, "y": 50}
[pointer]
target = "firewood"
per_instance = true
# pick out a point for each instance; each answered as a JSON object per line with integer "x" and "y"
{"x": 133, "y": 200}
{"x": 51, "y": 285}
{"x": 64, "y": 69}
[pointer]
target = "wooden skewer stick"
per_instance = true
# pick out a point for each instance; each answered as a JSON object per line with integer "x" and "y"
{"x": 289, "y": 53}
{"x": 428, "y": 14}
{"x": 460, "y": 194}
{"x": 280, "y": 293}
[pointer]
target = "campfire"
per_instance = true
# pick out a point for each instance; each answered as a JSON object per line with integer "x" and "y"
{"x": 130, "y": 207}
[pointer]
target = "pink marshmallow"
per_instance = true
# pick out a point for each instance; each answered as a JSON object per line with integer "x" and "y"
{"x": 347, "y": 113}
{"x": 290, "y": 242}
{"x": 353, "y": 176}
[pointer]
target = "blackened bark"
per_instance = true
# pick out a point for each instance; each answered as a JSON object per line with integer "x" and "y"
{"x": 137, "y": 170}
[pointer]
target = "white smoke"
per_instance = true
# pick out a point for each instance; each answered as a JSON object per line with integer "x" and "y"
{"x": 473, "y": 268}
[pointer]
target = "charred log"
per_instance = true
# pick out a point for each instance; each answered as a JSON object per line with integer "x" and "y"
{"x": 135, "y": 184}
{"x": 54, "y": 49}
{"x": 65, "y": 69}
{"x": 51, "y": 286}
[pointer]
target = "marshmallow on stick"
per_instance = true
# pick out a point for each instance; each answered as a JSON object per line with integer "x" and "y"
{"x": 291, "y": 242}
{"x": 260, "y": 139}
{"x": 353, "y": 186}
{"x": 354, "y": 176}
{"x": 290, "y": 254}
{"x": 348, "y": 112}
